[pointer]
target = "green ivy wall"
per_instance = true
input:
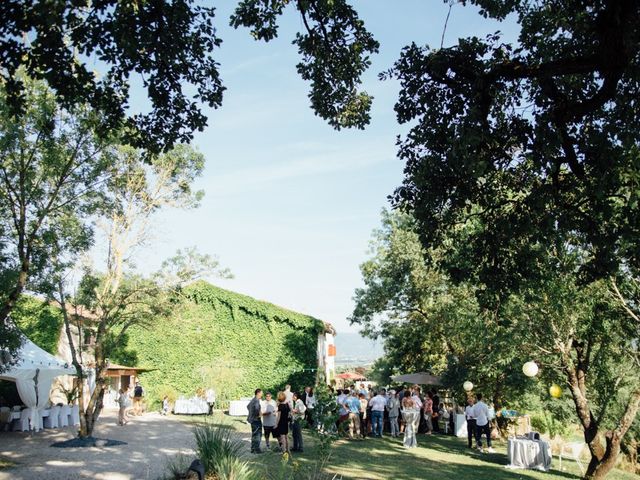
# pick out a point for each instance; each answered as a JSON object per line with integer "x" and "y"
{"x": 211, "y": 328}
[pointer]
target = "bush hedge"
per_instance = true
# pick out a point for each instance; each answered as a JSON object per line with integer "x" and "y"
{"x": 212, "y": 328}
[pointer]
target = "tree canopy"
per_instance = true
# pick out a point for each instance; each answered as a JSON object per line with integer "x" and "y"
{"x": 538, "y": 138}
{"x": 168, "y": 46}
{"x": 53, "y": 172}
{"x": 583, "y": 336}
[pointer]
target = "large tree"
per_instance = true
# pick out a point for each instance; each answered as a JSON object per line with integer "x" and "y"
{"x": 583, "y": 335}
{"x": 115, "y": 296}
{"x": 53, "y": 172}
{"x": 536, "y": 137}
{"x": 538, "y": 142}
{"x": 429, "y": 321}
{"x": 168, "y": 47}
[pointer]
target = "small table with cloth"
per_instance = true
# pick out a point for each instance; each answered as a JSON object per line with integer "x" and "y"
{"x": 526, "y": 453}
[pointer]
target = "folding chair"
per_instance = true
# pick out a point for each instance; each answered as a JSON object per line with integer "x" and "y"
{"x": 23, "y": 424}
{"x": 63, "y": 416}
{"x": 573, "y": 451}
{"x": 74, "y": 418}
{"x": 52, "y": 420}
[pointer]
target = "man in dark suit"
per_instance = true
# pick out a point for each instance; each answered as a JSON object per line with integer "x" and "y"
{"x": 253, "y": 418}
{"x": 436, "y": 411}
{"x": 304, "y": 394}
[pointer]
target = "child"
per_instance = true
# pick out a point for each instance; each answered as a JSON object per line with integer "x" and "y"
{"x": 165, "y": 405}
{"x": 123, "y": 403}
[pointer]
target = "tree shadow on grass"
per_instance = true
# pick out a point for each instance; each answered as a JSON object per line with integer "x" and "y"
{"x": 386, "y": 458}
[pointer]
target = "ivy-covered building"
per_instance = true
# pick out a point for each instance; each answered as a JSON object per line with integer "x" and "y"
{"x": 231, "y": 342}
{"x": 213, "y": 338}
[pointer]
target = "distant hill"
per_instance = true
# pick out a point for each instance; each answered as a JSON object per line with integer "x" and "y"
{"x": 352, "y": 349}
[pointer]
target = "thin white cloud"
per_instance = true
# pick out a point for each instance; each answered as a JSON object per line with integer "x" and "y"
{"x": 249, "y": 65}
{"x": 252, "y": 178}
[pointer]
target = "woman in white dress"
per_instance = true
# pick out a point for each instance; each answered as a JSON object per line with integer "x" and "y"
{"x": 410, "y": 414}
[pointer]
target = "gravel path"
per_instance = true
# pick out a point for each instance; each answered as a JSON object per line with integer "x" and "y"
{"x": 150, "y": 439}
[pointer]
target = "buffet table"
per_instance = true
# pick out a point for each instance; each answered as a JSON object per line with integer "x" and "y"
{"x": 191, "y": 406}
{"x": 525, "y": 453}
{"x": 460, "y": 425}
{"x": 238, "y": 408}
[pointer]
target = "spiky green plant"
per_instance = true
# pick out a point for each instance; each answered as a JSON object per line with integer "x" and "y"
{"x": 233, "y": 468}
{"x": 215, "y": 442}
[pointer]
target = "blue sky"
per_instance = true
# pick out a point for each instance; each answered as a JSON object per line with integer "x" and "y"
{"x": 289, "y": 202}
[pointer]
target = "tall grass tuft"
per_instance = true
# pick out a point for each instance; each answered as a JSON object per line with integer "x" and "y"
{"x": 214, "y": 444}
{"x": 177, "y": 466}
{"x": 231, "y": 468}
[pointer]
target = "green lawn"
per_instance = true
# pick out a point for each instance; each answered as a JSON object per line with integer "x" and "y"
{"x": 436, "y": 458}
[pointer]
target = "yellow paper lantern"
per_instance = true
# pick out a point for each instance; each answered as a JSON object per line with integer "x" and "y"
{"x": 530, "y": 369}
{"x": 468, "y": 386}
{"x": 555, "y": 391}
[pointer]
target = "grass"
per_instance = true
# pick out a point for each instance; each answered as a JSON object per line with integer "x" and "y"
{"x": 437, "y": 458}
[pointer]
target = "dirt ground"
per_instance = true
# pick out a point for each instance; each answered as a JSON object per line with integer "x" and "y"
{"x": 151, "y": 439}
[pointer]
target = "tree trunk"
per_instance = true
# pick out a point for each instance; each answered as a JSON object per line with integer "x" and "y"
{"x": 600, "y": 468}
{"x": 95, "y": 405}
{"x": 603, "y": 457}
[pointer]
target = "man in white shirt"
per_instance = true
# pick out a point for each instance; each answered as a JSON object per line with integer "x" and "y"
{"x": 342, "y": 412}
{"x": 378, "y": 404}
{"x": 471, "y": 421}
{"x": 297, "y": 415}
{"x": 210, "y": 396}
{"x": 481, "y": 414}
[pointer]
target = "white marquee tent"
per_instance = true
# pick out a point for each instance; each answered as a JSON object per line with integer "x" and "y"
{"x": 34, "y": 373}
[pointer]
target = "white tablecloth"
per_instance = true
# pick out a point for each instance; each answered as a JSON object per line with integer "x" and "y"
{"x": 461, "y": 425}
{"x": 238, "y": 408}
{"x": 191, "y": 406}
{"x": 15, "y": 415}
{"x": 524, "y": 453}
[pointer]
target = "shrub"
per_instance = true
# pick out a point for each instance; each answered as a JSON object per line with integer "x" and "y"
{"x": 232, "y": 468}
{"x": 546, "y": 423}
{"x": 176, "y": 466}
{"x": 215, "y": 443}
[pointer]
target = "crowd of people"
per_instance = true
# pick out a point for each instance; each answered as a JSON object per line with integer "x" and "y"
{"x": 363, "y": 412}
{"x": 274, "y": 418}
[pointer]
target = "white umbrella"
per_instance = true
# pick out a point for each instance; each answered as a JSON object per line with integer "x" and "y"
{"x": 420, "y": 378}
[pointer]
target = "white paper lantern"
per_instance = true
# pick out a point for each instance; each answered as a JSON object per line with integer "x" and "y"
{"x": 530, "y": 369}
{"x": 468, "y": 386}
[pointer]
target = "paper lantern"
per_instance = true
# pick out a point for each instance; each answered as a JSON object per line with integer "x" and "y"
{"x": 555, "y": 391}
{"x": 530, "y": 369}
{"x": 468, "y": 386}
